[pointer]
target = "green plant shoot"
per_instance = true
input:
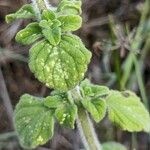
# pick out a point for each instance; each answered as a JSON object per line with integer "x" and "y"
{"x": 59, "y": 59}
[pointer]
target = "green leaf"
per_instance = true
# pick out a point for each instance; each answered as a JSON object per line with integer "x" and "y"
{"x": 70, "y": 7}
{"x": 53, "y": 101}
{"x": 91, "y": 90}
{"x": 113, "y": 146}
{"x": 25, "y": 12}
{"x": 45, "y": 24}
{"x": 96, "y": 107}
{"x": 51, "y": 31}
{"x": 126, "y": 110}
{"x": 52, "y": 35}
{"x": 48, "y": 15}
{"x": 60, "y": 67}
{"x": 30, "y": 34}
{"x": 66, "y": 115}
{"x": 34, "y": 123}
{"x": 70, "y": 22}
{"x": 63, "y": 95}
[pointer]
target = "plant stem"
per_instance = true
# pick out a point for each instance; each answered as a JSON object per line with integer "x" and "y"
{"x": 39, "y": 5}
{"x": 85, "y": 125}
{"x": 36, "y": 9}
{"x": 87, "y": 131}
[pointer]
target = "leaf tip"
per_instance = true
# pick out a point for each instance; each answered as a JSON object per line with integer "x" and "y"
{"x": 9, "y": 18}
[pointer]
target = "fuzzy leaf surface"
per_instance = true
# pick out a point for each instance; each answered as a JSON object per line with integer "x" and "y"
{"x": 91, "y": 90}
{"x": 69, "y": 7}
{"x": 53, "y": 101}
{"x": 70, "y": 22}
{"x": 51, "y": 31}
{"x": 25, "y": 12}
{"x": 33, "y": 121}
{"x": 66, "y": 114}
{"x": 52, "y": 35}
{"x": 62, "y": 66}
{"x": 96, "y": 107}
{"x": 48, "y": 15}
{"x": 126, "y": 110}
{"x": 30, "y": 34}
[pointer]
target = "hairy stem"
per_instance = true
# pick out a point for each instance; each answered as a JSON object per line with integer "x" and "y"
{"x": 36, "y": 9}
{"x": 39, "y": 5}
{"x": 85, "y": 125}
{"x": 87, "y": 132}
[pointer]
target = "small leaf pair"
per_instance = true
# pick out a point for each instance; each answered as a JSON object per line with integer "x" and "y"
{"x": 66, "y": 7}
{"x": 52, "y": 23}
{"x": 65, "y": 112}
{"x": 49, "y": 27}
{"x": 54, "y": 26}
{"x": 93, "y": 99}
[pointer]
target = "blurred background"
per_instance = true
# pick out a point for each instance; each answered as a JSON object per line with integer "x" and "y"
{"x": 117, "y": 32}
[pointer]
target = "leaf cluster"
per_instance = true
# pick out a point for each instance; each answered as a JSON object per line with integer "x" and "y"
{"x": 57, "y": 58}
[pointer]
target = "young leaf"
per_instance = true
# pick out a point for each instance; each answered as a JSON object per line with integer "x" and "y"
{"x": 91, "y": 90}
{"x": 63, "y": 95}
{"x": 66, "y": 115}
{"x": 70, "y": 7}
{"x": 56, "y": 23}
{"x": 25, "y": 12}
{"x": 52, "y": 35}
{"x": 45, "y": 24}
{"x": 48, "y": 15}
{"x": 70, "y": 22}
{"x": 30, "y": 34}
{"x": 96, "y": 107}
{"x": 53, "y": 101}
{"x": 60, "y": 67}
{"x": 51, "y": 31}
{"x": 113, "y": 146}
{"x": 34, "y": 123}
{"x": 126, "y": 110}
